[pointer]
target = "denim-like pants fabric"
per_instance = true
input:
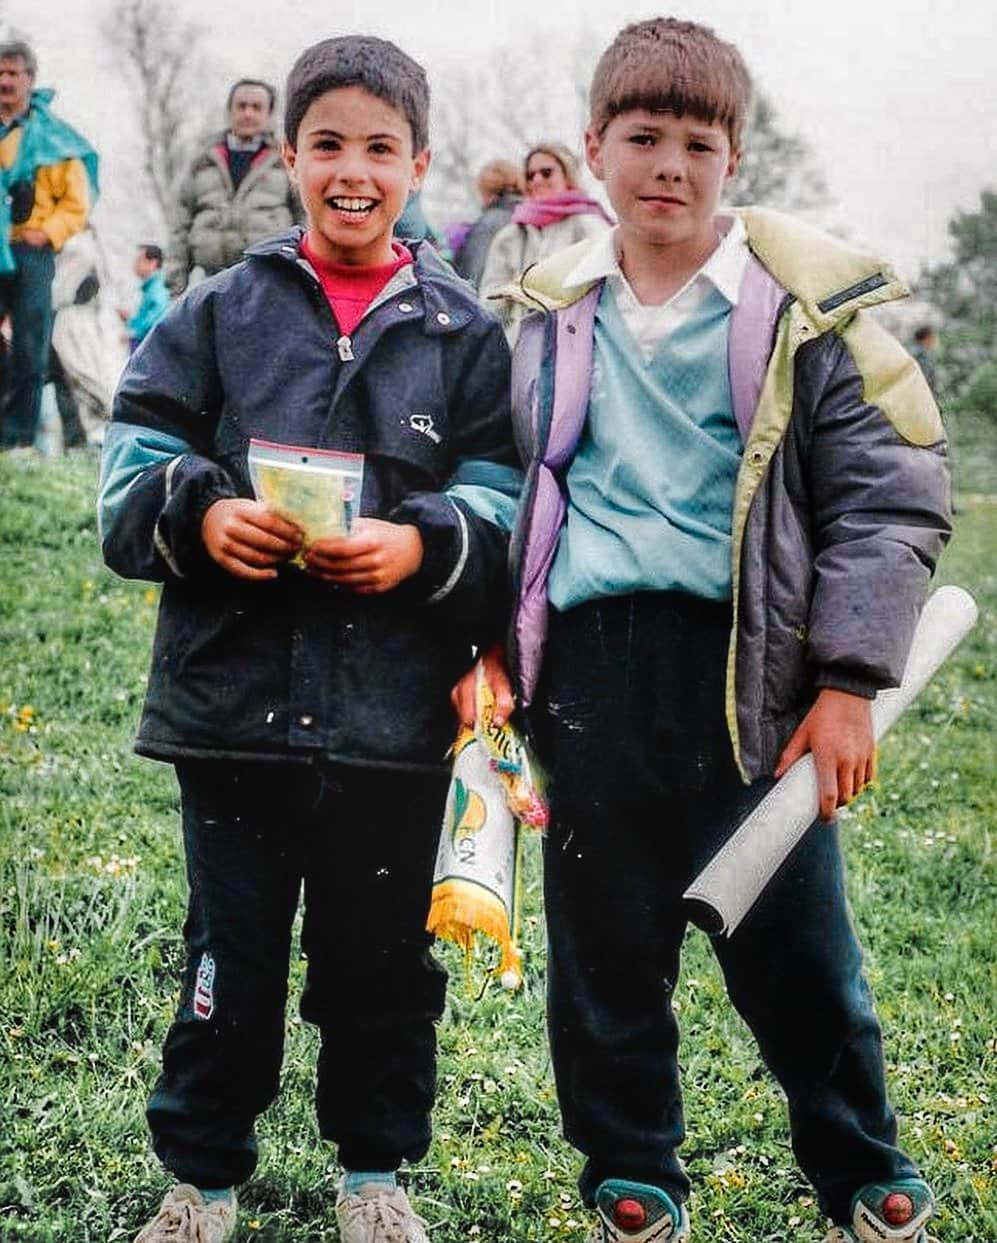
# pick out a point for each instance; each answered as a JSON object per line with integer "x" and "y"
{"x": 363, "y": 844}
{"x": 26, "y": 295}
{"x": 629, "y": 721}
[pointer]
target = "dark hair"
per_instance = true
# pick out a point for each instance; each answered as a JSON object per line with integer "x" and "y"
{"x": 264, "y": 86}
{"x": 667, "y": 65}
{"x": 11, "y": 49}
{"x": 376, "y": 65}
{"x": 924, "y": 332}
{"x": 152, "y": 251}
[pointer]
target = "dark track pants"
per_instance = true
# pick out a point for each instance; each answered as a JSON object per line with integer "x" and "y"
{"x": 363, "y": 844}
{"x": 629, "y": 721}
{"x": 26, "y": 295}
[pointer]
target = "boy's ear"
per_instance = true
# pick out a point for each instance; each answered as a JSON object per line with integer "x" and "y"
{"x": 420, "y": 167}
{"x": 733, "y": 163}
{"x": 593, "y": 154}
{"x": 288, "y": 154}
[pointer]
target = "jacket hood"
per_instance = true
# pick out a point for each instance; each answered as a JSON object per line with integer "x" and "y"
{"x": 828, "y": 277}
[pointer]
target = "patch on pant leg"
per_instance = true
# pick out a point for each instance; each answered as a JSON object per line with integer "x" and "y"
{"x": 204, "y": 988}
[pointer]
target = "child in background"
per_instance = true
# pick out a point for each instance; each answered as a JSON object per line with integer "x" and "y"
{"x": 154, "y": 297}
{"x": 306, "y": 710}
{"x": 737, "y": 493}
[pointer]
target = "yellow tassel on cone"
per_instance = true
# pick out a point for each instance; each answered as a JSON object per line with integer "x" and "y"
{"x": 476, "y": 882}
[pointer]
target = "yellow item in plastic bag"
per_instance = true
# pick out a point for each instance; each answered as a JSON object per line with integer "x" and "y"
{"x": 476, "y": 882}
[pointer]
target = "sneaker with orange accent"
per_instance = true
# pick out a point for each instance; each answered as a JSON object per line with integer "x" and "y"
{"x": 637, "y": 1213}
{"x": 888, "y": 1213}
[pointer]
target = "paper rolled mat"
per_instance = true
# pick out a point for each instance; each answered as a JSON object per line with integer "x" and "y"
{"x": 731, "y": 883}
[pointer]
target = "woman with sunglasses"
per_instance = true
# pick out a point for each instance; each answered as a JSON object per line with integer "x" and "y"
{"x": 554, "y": 214}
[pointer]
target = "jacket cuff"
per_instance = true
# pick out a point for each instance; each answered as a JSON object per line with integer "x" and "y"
{"x": 189, "y": 497}
{"x": 445, "y": 543}
{"x": 848, "y": 680}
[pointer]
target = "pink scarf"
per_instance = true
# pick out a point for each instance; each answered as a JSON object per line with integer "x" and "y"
{"x": 542, "y": 212}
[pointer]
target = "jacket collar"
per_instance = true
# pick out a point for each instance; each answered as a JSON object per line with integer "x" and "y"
{"x": 827, "y": 277}
{"x": 448, "y": 303}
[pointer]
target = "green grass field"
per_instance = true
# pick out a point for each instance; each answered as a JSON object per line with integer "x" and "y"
{"x": 91, "y": 899}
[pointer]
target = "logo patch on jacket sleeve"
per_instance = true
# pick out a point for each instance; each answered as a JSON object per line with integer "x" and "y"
{"x": 424, "y": 423}
{"x": 204, "y": 988}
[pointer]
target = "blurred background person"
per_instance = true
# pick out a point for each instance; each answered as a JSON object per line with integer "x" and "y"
{"x": 154, "y": 297}
{"x": 237, "y": 191}
{"x": 925, "y": 344}
{"x": 87, "y": 354}
{"x": 500, "y": 187}
{"x": 48, "y": 179}
{"x": 556, "y": 213}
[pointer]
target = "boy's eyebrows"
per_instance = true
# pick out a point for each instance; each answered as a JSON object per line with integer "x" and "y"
{"x": 695, "y": 125}
{"x": 324, "y": 131}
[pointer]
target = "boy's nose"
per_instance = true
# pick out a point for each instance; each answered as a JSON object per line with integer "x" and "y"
{"x": 670, "y": 164}
{"x": 351, "y": 167}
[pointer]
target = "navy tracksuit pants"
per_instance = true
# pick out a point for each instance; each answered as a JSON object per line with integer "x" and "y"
{"x": 629, "y": 720}
{"x": 26, "y": 295}
{"x": 362, "y": 845}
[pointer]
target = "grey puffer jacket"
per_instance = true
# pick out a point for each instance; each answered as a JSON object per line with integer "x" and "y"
{"x": 841, "y": 506}
{"x": 215, "y": 221}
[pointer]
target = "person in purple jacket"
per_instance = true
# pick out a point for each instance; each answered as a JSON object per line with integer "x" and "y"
{"x": 737, "y": 491}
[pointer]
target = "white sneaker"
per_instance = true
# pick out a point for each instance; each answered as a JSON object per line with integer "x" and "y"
{"x": 377, "y": 1213}
{"x": 637, "y": 1213}
{"x": 888, "y": 1213}
{"x": 186, "y": 1217}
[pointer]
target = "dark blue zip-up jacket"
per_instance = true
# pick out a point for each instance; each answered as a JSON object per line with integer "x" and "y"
{"x": 294, "y": 667}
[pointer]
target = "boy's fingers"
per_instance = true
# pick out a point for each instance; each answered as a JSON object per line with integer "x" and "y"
{"x": 796, "y": 747}
{"x": 252, "y": 555}
{"x": 827, "y": 785}
{"x": 848, "y": 785}
{"x": 241, "y": 570}
{"x": 344, "y": 566}
{"x": 505, "y": 701}
{"x": 266, "y": 520}
{"x": 462, "y": 698}
{"x": 250, "y": 536}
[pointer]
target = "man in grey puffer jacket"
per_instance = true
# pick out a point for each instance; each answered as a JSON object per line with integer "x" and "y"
{"x": 236, "y": 192}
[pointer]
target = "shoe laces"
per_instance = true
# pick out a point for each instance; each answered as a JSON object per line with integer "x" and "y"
{"x": 186, "y": 1222}
{"x": 383, "y": 1216}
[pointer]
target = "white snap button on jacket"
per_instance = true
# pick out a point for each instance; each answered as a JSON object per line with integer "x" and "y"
{"x": 405, "y": 306}
{"x": 443, "y": 318}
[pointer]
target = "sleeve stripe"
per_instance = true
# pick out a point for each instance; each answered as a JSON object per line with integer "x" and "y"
{"x": 458, "y": 570}
{"x": 158, "y": 538}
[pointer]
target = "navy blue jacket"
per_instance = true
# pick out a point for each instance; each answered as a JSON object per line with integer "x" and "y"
{"x": 294, "y": 667}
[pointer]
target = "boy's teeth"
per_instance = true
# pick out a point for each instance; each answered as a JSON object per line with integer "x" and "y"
{"x": 353, "y": 204}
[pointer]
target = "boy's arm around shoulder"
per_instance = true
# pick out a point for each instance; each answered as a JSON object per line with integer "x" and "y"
{"x": 880, "y": 508}
{"x": 465, "y": 526}
{"x": 157, "y": 476}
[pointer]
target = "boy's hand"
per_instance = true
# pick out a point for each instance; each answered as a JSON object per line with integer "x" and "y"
{"x": 838, "y": 730}
{"x": 463, "y": 696}
{"x": 376, "y": 556}
{"x": 248, "y": 539}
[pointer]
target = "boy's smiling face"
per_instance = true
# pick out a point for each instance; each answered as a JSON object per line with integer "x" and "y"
{"x": 664, "y": 175}
{"x": 354, "y": 167}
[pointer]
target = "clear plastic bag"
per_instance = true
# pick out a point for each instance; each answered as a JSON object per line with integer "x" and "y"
{"x": 317, "y": 489}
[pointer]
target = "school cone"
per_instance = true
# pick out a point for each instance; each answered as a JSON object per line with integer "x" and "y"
{"x": 492, "y": 797}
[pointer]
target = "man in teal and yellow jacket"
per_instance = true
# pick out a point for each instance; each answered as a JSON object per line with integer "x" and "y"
{"x": 48, "y": 178}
